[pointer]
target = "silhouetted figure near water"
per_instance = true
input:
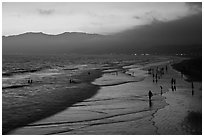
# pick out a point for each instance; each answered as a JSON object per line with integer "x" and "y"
{"x": 161, "y": 90}
{"x": 150, "y": 103}
{"x": 156, "y": 77}
{"x": 30, "y": 81}
{"x": 150, "y": 95}
{"x": 89, "y": 73}
{"x": 172, "y": 88}
{"x": 166, "y": 69}
{"x": 192, "y": 85}
{"x": 172, "y": 82}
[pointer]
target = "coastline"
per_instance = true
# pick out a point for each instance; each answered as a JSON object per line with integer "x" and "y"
{"x": 110, "y": 103}
{"x": 94, "y": 113}
{"x": 46, "y": 104}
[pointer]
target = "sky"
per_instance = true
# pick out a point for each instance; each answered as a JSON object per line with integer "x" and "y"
{"x": 100, "y": 17}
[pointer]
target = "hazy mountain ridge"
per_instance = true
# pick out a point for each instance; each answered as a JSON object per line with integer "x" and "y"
{"x": 179, "y": 36}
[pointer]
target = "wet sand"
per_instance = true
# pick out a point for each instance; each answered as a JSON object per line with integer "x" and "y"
{"x": 44, "y": 104}
{"x": 124, "y": 108}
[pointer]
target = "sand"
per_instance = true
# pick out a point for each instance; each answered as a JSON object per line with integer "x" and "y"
{"x": 121, "y": 106}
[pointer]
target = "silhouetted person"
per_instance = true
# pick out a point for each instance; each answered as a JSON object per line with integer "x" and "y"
{"x": 150, "y": 103}
{"x": 150, "y": 95}
{"x": 166, "y": 68}
{"x": 30, "y": 81}
{"x": 161, "y": 89}
{"x": 192, "y": 85}
{"x": 89, "y": 73}
{"x": 156, "y": 80}
{"x": 70, "y": 81}
{"x": 172, "y": 88}
{"x": 172, "y": 82}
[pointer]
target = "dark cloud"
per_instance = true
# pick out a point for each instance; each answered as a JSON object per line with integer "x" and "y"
{"x": 46, "y": 11}
{"x": 182, "y": 34}
{"x": 196, "y": 6}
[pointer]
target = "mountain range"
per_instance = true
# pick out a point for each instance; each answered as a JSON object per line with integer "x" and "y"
{"x": 178, "y": 36}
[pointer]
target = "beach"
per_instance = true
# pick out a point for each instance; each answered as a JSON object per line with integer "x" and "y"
{"x": 114, "y": 100}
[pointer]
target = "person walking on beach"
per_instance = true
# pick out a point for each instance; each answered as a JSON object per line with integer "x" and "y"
{"x": 172, "y": 84}
{"x": 161, "y": 90}
{"x": 175, "y": 84}
{"x": 30, "y": 81}
{"x": 153, "y": 77}
{"x": 150, "y": 95}
{"x": 192, "y": 88}
{"x": 156, "y": 77}
{"x": 166, "y": 68}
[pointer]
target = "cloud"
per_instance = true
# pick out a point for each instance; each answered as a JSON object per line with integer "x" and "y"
{"x": 46, "y": 11}
{"x": 136, "y": 17}
{"x": 195, "y": 6}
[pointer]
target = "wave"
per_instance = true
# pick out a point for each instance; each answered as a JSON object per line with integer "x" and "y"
{"x": 20, "y": 71}
{"x": 14, "y": 86}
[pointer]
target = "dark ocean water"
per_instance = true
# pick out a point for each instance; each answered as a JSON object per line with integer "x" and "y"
{"x": 18, "y": 69}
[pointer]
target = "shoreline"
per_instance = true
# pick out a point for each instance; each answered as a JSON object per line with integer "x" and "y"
{"x": 46, "y": 104}
{"x": 89, "y": 85}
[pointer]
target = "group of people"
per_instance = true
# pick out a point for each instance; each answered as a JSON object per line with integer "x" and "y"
{"x": 158, "y": 75}
{"x": 159, "y": 72}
